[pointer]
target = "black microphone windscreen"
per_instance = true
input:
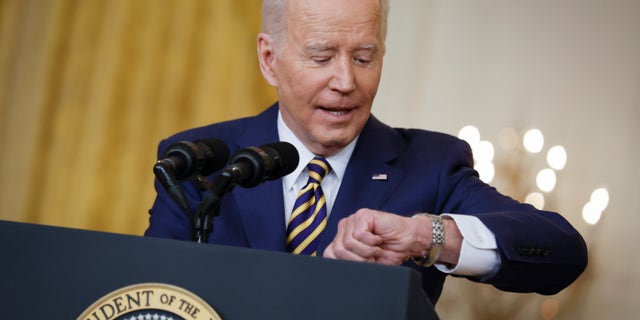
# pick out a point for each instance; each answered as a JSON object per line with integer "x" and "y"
{"x": 216, "y": 153}
{"x": 187, "y": 158}
{"x": 285, "y": 157}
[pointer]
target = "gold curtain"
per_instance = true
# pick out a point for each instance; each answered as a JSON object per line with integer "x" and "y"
{"x": 89, "y": 87}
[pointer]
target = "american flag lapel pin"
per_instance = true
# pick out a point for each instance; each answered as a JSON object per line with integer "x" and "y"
{"x": 379, "y": 176}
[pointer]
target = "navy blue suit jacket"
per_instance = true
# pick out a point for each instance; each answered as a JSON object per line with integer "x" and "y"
{"x": 426, "y": 172}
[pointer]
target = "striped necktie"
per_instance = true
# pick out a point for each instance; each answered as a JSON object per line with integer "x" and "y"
{"x": 309, "y": 216}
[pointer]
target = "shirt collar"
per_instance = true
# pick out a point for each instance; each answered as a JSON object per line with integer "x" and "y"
{"x": 338, "y": 161}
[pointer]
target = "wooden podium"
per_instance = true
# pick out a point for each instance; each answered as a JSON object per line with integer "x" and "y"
{"x": 57, "y": 273}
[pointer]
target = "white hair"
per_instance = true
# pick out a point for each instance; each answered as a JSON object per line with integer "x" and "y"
{"x": 274, "y": 22}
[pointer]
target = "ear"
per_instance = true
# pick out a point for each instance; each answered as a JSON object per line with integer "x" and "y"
{"x": 266, "y": 58}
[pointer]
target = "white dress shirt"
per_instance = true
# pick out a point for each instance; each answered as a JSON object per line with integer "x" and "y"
{"x": 478, "y": 255}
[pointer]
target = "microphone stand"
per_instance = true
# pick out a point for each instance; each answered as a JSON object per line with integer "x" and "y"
{"x": 203, "y": 223}
{"x": 209, "y": 208}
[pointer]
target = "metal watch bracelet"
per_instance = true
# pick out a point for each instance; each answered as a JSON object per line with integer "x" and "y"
{"x": 437, "y": 228}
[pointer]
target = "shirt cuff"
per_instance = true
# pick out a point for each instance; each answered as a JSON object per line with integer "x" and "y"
{"x": 479, "y": 252}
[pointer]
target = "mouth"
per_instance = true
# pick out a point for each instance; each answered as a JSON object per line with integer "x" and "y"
{"x": 336, "y": 111}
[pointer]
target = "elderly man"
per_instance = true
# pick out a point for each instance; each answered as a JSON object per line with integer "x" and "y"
{"x": 374, "y": 193}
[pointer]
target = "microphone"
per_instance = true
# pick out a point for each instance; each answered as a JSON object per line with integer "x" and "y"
{"x": 184, "y": 159}
{"x": 251, "y": 166}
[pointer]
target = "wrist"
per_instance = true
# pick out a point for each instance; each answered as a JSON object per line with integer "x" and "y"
{"x": 431, "y": 253}
{"x": 421, "y": 232}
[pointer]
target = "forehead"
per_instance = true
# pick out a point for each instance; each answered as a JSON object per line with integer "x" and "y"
{"x": 329, "y": 19}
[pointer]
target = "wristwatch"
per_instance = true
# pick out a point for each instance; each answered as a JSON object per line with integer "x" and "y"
{"x": 437, "y": 228}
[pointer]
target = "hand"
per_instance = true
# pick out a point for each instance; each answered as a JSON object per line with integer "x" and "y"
{"x": 380, "y": 237}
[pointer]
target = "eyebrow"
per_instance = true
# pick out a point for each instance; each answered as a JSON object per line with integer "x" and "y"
{"x": 369, "y": 46}
{"x": 317, "y": 47}
{"x": 322, "y": 47}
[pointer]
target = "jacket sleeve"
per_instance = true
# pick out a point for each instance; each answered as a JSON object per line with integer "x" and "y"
{"x": 540, "y": 251}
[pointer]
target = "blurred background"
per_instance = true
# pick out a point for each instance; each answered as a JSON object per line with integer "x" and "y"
{"x": 546, "y": 91}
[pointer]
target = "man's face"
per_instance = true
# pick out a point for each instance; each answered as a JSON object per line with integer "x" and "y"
{"x": 328, "y": 69}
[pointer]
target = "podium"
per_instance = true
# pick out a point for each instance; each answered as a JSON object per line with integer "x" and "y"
{"x": 57, "y": 273}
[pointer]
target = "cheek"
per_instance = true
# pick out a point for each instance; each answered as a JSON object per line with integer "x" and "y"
{"x": 310, "y": 82}
{"x": 369, "y": 81}
{"x": 302, "y": 85}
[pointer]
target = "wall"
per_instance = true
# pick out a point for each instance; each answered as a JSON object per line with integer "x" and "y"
{"x": 570, "y": 68}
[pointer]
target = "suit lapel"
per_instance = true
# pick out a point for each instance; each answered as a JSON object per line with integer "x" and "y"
{"x": 369, "y": 180}
{"x": 261, "y": 208}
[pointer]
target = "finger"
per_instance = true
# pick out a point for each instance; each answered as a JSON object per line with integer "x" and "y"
{"x": 362, "y": 224}
{"x": 399, "y": 233}
{"x": 389, "y": 257}
{"x": 354, "y": 246}
{"x": 366, "y": 238}
{"x": 344, "y": 254}
{"x": 328, "y": 252}
{"x": 345, "y": 246}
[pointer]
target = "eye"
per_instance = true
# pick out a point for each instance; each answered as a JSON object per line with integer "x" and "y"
{"x": 362, "y": 61}
{"x": 321, "y": 59}
{"x": 363, "y": 58}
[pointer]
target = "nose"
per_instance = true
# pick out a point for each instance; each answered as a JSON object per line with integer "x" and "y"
{"x": 343, "y": 79}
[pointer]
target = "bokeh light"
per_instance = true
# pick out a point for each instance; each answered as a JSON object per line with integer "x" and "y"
{"x": 600, "y": 198}
{"x": 508, "y": 139}
{"x": 486, "y": 171}
{"x": 546, "y": 180}
{"x": 557, "y": 157}
{"x": 590, "y": 213}
{"x": 471, "y": 135}
{"x": 484, "y": 151}
{"x": 533, "y": 141}
{"x": 592, "y": 210}
{"x": 549, "y": 309}
{"x": 535, "y": 199}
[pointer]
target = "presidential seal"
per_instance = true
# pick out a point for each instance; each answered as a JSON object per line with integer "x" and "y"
{"x": 150, "y": 301}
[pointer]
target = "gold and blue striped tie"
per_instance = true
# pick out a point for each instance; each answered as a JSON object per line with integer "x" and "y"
{"x": 309, "y": 216}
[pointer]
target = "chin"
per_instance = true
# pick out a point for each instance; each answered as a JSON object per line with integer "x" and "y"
{"x": 336, "y": 144}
